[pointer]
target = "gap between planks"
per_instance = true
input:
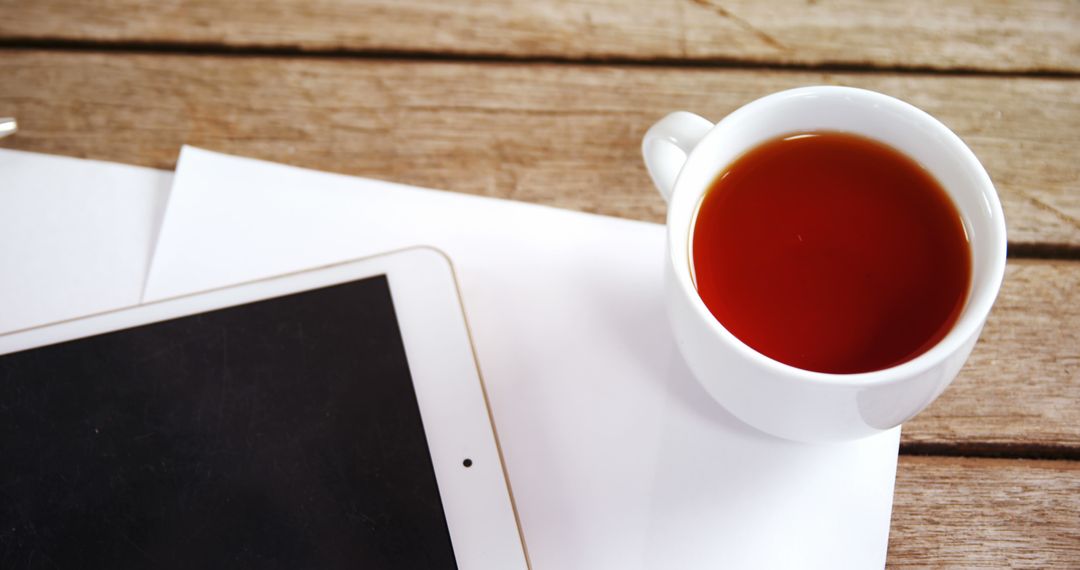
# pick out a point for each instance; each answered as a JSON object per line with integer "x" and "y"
{"x": 289, "y": 51}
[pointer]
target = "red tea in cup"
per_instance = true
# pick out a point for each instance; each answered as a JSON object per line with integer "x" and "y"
{"x": 831, "y": 252}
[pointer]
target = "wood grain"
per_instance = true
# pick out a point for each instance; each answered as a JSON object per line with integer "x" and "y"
{"x": 567, "y": 135}
{"x": 1019, "y": 392}
{"x": 985, "y": 513}
{"x": 1002, "y": 35}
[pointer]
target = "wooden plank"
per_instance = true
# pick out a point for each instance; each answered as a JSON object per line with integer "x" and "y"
{"x": 985, "y": 513}
{"x": 557, "y": 134}
{"x": 1020, "y": 391}
{"x": 568, "y": 136}
{"x": 969, "y": 34}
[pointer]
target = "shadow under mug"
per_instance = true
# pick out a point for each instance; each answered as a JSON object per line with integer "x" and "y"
{"x": 684, "y": 154}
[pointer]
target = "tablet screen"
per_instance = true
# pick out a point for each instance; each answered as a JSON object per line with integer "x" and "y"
{"x": 281, "y": 433}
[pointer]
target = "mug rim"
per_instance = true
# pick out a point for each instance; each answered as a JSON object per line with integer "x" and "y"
{"x": 976, "y": 307}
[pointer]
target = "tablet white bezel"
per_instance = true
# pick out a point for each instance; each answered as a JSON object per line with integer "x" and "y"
{"x": 453, "y": 406}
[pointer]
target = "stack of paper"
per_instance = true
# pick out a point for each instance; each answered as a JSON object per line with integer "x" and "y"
{"x": 617, "y": 457}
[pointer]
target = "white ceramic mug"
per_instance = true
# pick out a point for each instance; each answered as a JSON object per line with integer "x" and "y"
{"x": 684, "y": 154}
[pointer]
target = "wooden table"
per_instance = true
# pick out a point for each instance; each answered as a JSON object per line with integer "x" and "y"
{"x": 546, "y": 102}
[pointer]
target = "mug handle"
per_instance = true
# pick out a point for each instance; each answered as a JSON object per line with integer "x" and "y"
{"x": 668, "y": 143}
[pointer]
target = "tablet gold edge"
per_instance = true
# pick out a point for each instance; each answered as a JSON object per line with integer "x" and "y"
{"x": 487, "y": 405}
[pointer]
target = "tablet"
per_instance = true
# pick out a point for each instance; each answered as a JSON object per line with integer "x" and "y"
{"x": 332, "y": 418}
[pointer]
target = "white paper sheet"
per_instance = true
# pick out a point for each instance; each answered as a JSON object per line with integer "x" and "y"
{"x": 617, "y": 457}
{"x": 76, "y": 236}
